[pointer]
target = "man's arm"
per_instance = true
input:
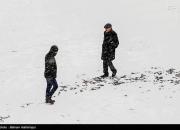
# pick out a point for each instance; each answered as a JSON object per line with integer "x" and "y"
{"x": 50, "y": 67}
{"x": 115, "y": 41}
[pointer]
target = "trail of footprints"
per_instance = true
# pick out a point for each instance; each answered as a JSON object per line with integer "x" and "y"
{"x": 155, "y": 75}
{"x": 158, "y": 76}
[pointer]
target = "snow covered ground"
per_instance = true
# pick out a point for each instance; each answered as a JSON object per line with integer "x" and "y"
{"x": 148, "y": 86}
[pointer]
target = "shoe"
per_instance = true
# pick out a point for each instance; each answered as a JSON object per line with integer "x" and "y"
{"x": 114, "y": 73}
{"x": 49, "y": 100}
{"x": 104, "y": 76}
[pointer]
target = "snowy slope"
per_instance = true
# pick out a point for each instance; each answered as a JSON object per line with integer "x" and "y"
{"x": 148, "y": 32}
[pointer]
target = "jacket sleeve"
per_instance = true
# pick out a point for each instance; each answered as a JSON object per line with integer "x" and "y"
{"x": 115, "y": 41}
{"x": 50, "y": 66}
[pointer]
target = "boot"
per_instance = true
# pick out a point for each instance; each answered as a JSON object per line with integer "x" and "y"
{"x": 104, "y": 76}
{"x": 114, "y": 73}
{"x": 49, "y": 100}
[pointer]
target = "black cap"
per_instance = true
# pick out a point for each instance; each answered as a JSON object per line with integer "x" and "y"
{"x": 108, "y": 25}
{"x": 54, "y": 48}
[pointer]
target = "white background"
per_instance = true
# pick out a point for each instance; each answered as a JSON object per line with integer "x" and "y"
{"x": 148, "y": 32}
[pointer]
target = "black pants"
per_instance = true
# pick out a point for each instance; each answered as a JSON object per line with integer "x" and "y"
{"x": 106, "y": 64}
{"x": 51, "y": 87}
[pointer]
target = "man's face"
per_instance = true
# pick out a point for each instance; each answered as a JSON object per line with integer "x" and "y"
{"x": 108, "y": 29}
{"x": 55, "y": 53}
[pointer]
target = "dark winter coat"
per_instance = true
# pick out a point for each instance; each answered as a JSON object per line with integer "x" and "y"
{"x": 109, "y": 45}
{"x": 50, "y": 65}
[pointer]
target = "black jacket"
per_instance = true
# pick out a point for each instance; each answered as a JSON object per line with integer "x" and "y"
{"x": 109, "y": 45}
{"x": 50, "y": 65}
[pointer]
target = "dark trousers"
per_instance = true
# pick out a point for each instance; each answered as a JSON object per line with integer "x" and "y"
{"x": 51, "y": 87}
{"x": 106, "y": 64}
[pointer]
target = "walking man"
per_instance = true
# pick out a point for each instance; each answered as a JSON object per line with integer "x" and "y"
{"x": 51, "y": 73}
{"x": 109, "y": 45}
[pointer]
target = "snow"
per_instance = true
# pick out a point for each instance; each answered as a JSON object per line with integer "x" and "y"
{"x": 148, "y": 33}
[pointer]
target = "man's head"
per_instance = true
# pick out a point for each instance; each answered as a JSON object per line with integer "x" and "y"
{"x": 108, "y": 27}
{"x": 54, "y": 50}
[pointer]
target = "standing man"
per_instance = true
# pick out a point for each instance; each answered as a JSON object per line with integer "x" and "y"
{"x": 109, "y": 45}
{"x": 50, "y": 73}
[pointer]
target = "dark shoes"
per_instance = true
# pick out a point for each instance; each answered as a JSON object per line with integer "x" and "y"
{"x": 104, "y": 76}
{"x": 49, "y": 100}
{"x": 114, "y": 73}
